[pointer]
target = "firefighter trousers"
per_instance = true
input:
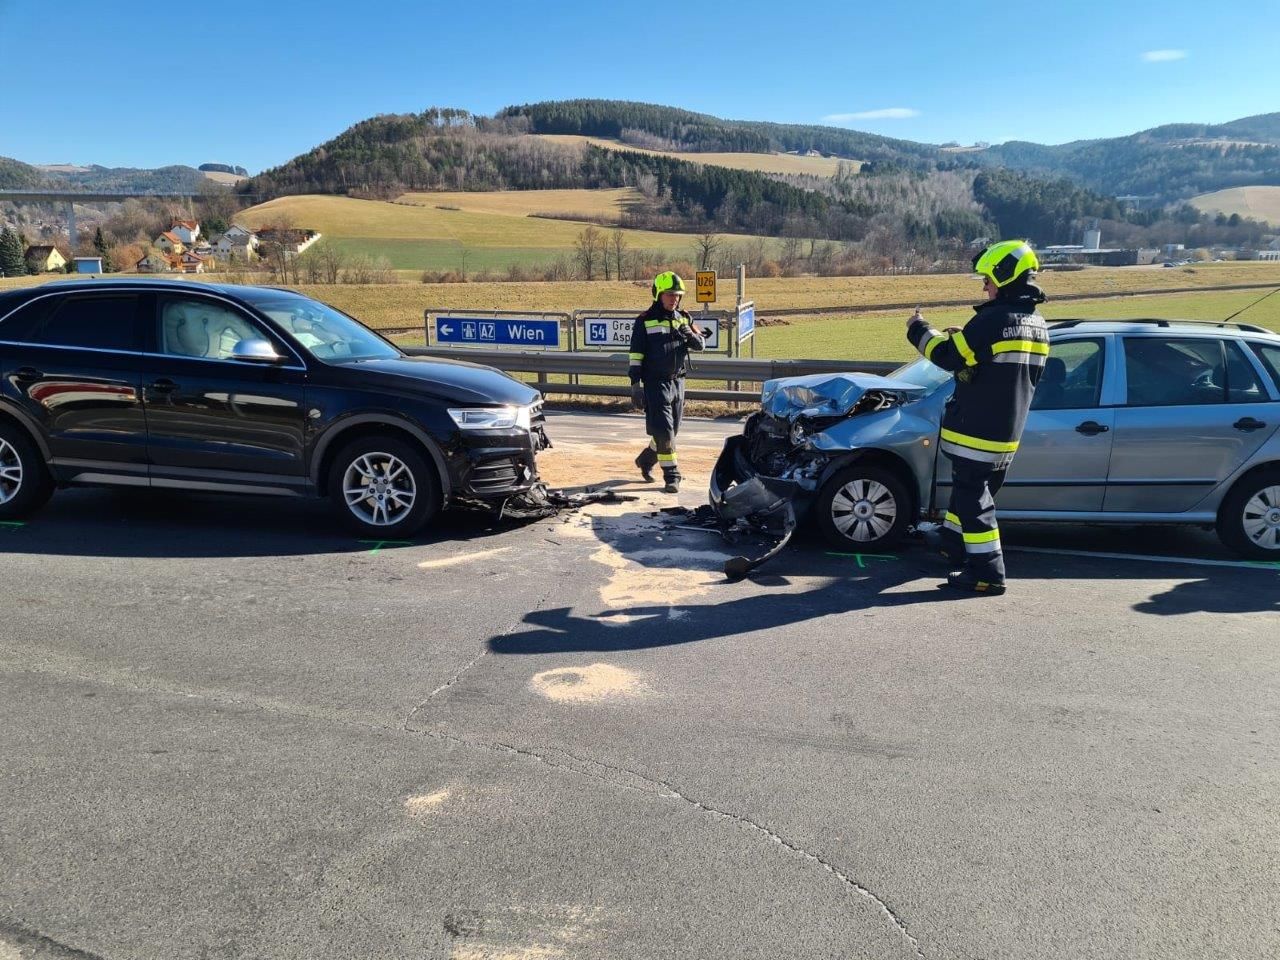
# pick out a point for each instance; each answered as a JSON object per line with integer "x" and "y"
{"x": 970, "y": 535}
{"x": 663, "y": 408}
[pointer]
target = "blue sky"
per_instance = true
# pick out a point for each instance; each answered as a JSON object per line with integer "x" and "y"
{"x": 256, "y": 83}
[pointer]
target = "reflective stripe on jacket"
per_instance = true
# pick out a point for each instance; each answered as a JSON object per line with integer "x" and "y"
{"x": 660, "y": 345}
{"x": 997, "y": 360}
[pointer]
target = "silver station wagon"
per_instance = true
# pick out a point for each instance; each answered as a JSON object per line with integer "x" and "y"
{"x": 1134, "y": 421}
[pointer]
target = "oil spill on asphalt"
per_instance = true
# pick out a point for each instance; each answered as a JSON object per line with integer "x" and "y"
{"x": 522, "y": 933}
{"x": 460, "y": 560}
{"x": 427, "y": 803}
{"x": 597, "y": 683}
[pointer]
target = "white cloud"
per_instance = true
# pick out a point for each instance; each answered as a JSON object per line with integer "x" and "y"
{"x": 888, "y": 113}
{"x": 1164, "y": 56}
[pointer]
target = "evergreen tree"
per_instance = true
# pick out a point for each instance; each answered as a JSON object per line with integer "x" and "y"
{"x": 101, "y": 248}
{"x": 12, "y": 262}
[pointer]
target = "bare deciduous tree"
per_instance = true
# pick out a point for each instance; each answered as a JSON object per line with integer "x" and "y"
{"x": 705, "y": 248}
{"x": 587, "y": 250}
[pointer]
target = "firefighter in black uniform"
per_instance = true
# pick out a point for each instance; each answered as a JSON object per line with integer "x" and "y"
{"x": 997, "y": 360}
{"x": 661, "y": 339}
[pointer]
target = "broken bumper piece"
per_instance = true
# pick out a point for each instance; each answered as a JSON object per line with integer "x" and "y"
{"x": 742, "y": 499}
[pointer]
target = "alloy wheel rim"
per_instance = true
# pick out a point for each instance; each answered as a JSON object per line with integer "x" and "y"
{"x": 1261, "y": 518}
{"x": 10, "y": 471}
{"x": 864, "y": 510}
{"x": 379, "y": 489}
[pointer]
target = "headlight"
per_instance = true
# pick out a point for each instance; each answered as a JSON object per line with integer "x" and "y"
{"x": 797, "y": 433}
{"x": 492, "y": 418}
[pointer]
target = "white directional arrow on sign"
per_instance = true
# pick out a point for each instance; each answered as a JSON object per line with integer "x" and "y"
{"x": 446, "y": 330}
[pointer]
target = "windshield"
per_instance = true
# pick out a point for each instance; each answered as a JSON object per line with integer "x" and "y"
{"x": 922, "y": 373}
{"x": 322, "y": 331}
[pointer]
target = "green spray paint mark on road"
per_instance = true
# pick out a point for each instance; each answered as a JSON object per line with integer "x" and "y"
{"x": 862, "y": 558}
{"x": 390, "y": 544}
{"x": 11, "y": 524}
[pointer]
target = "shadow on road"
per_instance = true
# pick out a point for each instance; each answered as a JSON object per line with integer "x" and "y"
{"x": 159, "y": 524}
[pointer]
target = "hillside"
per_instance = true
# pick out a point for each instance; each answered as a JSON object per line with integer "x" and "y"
{"x": 1171, "y": 162}
{"x": 681, "y": 131}
{"x": 1259, "y": 203}
{"x": 791, "y": 164}
{"x": 15, "y": 175}
{"x": 428, "y": 231}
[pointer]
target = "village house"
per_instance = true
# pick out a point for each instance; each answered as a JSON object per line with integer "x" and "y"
{"x": 170, "y": 242}
{"x": 45, "y": 259}
{"x": 293, "y": 241}
{"x": 236, "y": 244}
{"x": 194, "y": 263}
{"x": 188, "y": 231}
{"x": 157, "y": 263}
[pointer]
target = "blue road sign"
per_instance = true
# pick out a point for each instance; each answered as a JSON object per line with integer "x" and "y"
{"x": 746, "y": 321}
{"x": 500, "y": 332}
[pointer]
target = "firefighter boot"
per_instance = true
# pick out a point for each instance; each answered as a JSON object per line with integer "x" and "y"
{"x": 647, "y": 460}
{"x": 673, "y": 481}
{"x": 968, "y": 581}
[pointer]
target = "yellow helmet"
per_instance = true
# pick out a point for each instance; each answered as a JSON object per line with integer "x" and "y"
{"x": 667, "y": 283}
{"x": 1004, "y": 262}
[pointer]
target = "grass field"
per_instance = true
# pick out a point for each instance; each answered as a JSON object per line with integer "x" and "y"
{"x": 759, "y": 162}
{"x": 494, "y": 229}
{"x": 1259, "y": 203}
{"x": 585, "y": 204}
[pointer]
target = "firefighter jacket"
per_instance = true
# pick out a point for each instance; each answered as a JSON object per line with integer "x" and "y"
{"x": 997, "y": 360}
{"x": 660, "y": 345}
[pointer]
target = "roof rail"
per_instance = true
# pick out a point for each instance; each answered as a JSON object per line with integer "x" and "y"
{"x": 1246, "y": 327}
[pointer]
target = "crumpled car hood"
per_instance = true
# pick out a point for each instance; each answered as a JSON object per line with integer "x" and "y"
{"x": 827, "y": 394}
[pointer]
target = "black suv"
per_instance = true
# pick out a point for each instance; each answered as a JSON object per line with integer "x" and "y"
{"x": 250, "y": 390}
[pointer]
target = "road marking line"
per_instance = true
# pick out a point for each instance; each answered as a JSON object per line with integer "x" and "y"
{"x": 379, "y": 544}
{"x": 862, "y": 558}
{"x": 1189, "y": 561}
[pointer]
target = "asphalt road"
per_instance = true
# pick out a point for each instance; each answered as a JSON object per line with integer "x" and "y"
{"x": 230, "y": 732}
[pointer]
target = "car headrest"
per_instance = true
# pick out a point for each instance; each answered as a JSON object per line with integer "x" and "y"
{"x": 1055, "y": 371}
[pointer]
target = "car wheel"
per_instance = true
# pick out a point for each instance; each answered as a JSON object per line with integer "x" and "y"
{"x": 25, "y": 482}
{"x": 1249, "y": 518}
{"x": 383, "y": 487}
{"x": 864, "y": 509}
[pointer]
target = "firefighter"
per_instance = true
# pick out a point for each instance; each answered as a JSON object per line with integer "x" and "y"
{"x": 997, "y": 359}
{"x": 661, "y": 339}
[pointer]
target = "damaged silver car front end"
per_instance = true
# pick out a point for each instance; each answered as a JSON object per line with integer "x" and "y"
{"x": 809, "y": 430}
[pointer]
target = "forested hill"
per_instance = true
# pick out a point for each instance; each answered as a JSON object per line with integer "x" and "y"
{"x": 652, "y": 126}
{"x": 1172, "y": 162}
{"x": 447, "y": 149}
{"x": 15, "y": 175}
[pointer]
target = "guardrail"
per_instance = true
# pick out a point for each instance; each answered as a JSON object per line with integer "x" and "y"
{"x": 546, "y": 364}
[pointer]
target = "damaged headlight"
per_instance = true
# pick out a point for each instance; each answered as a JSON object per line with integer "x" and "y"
{"x": 493, "y": 418}
{"x": 798, "y": 434}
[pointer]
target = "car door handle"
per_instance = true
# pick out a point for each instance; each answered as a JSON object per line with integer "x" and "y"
{"x": 27, "y": 374}
{"x": 164, "y": 385}
{"x": 1248, "y": 423}
{"x": 1091, "y": 428}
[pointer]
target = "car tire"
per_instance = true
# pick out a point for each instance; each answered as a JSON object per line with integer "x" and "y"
{"x": 864, "y": 509}
{"x": 25, "y": 481}
{"x": 1249, "y": 518}
{"x": 400, "y": 482}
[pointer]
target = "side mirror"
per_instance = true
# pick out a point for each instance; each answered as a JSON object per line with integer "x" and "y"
{"x": 255, "y": 351}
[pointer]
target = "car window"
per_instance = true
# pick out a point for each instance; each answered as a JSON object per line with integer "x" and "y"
{"x": 1270, "y": 357}
{"x": 1072, "y": 377}
{"x": 192, "y": 327}
{"x": 19, "y": 325}
{"x": 1172, "y": 372}
{"x": 99, "y": 323}
{"x": 1243, "y": 383}
{"x": 325, "y": 333}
